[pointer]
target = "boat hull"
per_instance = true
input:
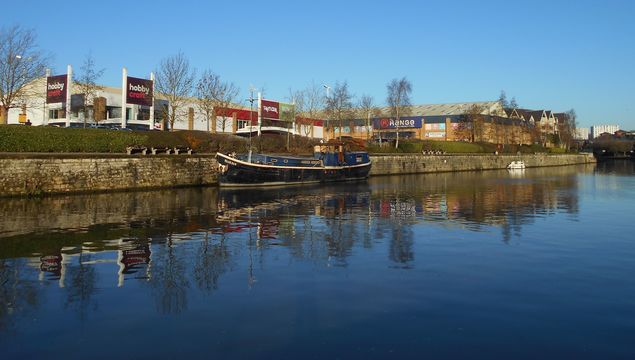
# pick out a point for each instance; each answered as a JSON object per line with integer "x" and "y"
{"x": 237, "y": 173}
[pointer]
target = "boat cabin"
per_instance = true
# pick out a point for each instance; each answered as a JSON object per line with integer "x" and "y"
{"x": 337, "y": 155}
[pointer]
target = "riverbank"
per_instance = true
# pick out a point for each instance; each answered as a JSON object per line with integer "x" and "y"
{"x": 421, "y": 164}
{"x": 35, "y": 174}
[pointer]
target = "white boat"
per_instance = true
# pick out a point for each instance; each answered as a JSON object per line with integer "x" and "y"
{"x": 518, "y": 164}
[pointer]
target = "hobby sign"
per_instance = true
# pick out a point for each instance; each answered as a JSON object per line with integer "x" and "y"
{"x": 56, "y": 89}
{"x": 139, "y": 91}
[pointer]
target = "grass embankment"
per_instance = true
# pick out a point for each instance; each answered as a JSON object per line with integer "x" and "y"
{"x": 19, "y": 138}
{"x": 454, "y": 147}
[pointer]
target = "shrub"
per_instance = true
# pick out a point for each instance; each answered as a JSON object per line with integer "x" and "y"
{"x": 18, "y": 138}
{"x": 557, "y": 150}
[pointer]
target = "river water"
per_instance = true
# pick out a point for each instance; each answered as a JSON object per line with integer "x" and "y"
{"x": 529, "y": 264}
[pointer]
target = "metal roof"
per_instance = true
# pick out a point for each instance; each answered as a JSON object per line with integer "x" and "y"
{"x": 488, "y": 107}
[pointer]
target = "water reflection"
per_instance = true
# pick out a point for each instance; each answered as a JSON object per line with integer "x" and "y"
{"x": 19, "y": 294}
{"x": 617, "y": 167}
{"x": 172, "y": 242}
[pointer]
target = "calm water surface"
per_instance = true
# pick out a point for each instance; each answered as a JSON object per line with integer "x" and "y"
{"x": 515, "y": 265}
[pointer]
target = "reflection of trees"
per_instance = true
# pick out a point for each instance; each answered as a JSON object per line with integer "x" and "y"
{"x": 168, "y": 278}
{"x": 401, "y": 246}
{"x": 324, "y": 225}
{"x": 212, "y": 261}
{"x": 402, "y": 217}
{"x": 17, "y": 294}
{"x": 81, "y": 285}
{"x": 474, "y": 200}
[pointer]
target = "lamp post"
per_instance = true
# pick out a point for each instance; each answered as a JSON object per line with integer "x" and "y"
{"x": 327, "y": 88}
{"x": 251, "y": 115}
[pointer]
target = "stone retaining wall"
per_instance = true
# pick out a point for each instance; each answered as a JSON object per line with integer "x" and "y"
{"x": 45, "y": 174}
{"x": 418, "y": 164}
{"x": 37, "y": 174}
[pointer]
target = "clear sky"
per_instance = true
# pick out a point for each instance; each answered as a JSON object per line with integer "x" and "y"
{"x": 552, "y": 54}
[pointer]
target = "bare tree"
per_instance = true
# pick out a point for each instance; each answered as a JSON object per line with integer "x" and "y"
{"x": 175, "y": 79}
{"x": 224, "y": 97}
{"x": 87, "y": 84}
{"x": 213, "y": 94}
{"x": 205, "y": 89}
{"x": 513, "y": 104}
{"x": 463, "y": 130}
{"x": 398, "y": 100}
{"x": 567, "y": 124}
{"x": 21, "y": 62}
{"x": 314, "y": 100}
{"x": 339, "y": 105}
{"x": 367, "y": 108}
{"x": 471, "y": 124}
{"x": 298, "y": 98}
{"x": 502, "y": 98}
{"x": 309, "y": 103}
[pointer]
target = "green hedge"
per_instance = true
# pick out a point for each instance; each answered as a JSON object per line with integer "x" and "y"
{"x": 454, "y": 147}
{"x": 19, "y": 138}
{"x": 419, "y": 146}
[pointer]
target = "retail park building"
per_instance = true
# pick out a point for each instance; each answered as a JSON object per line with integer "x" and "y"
{"x": 425, "y": 122}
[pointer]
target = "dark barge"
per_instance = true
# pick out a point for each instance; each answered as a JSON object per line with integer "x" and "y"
{"x": 329, "y": 163}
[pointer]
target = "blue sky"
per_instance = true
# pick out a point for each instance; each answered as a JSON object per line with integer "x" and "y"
{"x": 548, "y": 54}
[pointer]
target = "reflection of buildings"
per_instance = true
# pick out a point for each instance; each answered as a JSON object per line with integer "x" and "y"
{"x": 132, "y": 258}
{"x": 53, "y": 267}
{"x": 174, "y": 241}
{"x": 472, "y": 200}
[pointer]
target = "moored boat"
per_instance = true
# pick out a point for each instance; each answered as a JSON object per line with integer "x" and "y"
{"x": 329, "y": 163}
{"x": 518, "y": 164}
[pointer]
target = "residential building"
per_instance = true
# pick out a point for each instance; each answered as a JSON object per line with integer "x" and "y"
{"x": 441, "y": 122}
{"x": 582, "y": 133}
{"x": 596, "y": 130}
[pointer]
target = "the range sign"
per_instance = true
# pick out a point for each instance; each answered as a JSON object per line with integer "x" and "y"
{"x": 270, "y": 109}
{"x": 139, "y": 91}
{"x": 406, "y": 122}
{"x": 56, "y": 88}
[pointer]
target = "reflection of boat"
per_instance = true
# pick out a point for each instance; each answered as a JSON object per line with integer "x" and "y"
{"x": 516, "y": 173}
{"x": 518, "y": 164}
{"x": 330, "y": 163}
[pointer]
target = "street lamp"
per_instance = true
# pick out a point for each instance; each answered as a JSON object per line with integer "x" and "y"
{"x": 251, "y": 115}
{"x": 327, "y": 90}
{"x": 327, "y": 104}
